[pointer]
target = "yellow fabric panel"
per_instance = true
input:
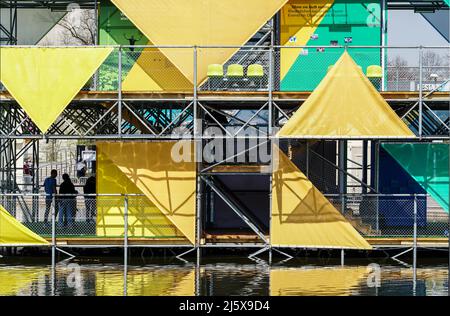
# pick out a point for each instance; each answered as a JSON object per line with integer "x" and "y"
{"x": 144, "y": 219}
{"x": 345, "y": 104}
{"x": 160, "y": 282}
{"x": 154, "y": 72}
{"x": 14, "y": 233}
{"x": 199, "y": 22}
{"x": 168, "y": 185}
{"x": 16, "y": 281}
{"x": 300, "y": 25}
{"x": 302, "y": 216}
{"x": 316, "y": 281}
{"x": 45, "y": 80}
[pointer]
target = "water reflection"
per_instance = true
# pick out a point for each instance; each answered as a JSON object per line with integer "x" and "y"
{"x": 317, "y": 281}
{"x": 217, "y": 278}
{"x": 147, "y": 282}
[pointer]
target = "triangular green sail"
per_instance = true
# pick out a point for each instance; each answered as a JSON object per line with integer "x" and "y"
{"x": 428, "y": 164}
{"x": 14, "y": 233}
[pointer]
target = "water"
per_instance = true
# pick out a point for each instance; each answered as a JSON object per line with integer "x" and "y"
{"x": 220, "y": 276}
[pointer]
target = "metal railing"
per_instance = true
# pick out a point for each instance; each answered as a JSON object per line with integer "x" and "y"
{"x": 397, "y": 215}
{"x": 173, "y": 70}
{"x": 90, "y": 216}
{"x": 103, "y": 216}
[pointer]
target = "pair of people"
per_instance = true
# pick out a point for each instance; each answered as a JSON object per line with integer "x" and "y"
{"x": 66, "y": 203}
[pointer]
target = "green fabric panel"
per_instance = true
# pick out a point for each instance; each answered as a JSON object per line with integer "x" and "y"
{"x": 358, "y": 19}
{"x": 428, "y": 164}
{"x": 116, "y": 29}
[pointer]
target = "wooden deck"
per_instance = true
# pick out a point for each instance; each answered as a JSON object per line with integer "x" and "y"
{"x": 231, "y": 95}
{"x": 241, "y": 239}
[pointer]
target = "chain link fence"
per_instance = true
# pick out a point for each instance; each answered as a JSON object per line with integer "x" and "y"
{"x": 102, "y": 216}
{"x": 387, "y": 216}
{"x": 91, "y": 216}
{"x": 248, "y": 68}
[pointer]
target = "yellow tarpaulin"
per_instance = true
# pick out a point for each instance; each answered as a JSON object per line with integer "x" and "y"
{"x": 201, "y": 23}
{"x": 14, "y": 233}
{"x": 302, "y": 216}
{"x": 154, "y": 72}
{"x": 169, "y": 185}
{"x": 331, "y": 281}
{"x": 344, "y": 105}
{"x": 299, "y": 24}
{"x": 144, "y": 218}
{"x": 45, "y": 80}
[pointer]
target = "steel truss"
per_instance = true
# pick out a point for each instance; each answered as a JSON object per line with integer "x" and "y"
{"x": 186, "y": 116}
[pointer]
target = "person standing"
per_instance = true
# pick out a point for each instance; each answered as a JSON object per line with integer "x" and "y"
{"x": 81, "y": 169}
{"x": 27, "y": 175}
{"x": 67, "y": 201}
{"x": 50, "y": 191}
{"x": 90, "y": 188}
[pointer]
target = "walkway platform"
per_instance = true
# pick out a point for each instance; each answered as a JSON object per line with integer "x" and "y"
{"x": 390, "y": 96}
{"x": 241, "y": 240}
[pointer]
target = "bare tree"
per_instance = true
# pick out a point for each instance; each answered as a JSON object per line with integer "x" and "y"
{"x": 79, "y": 27}
{"x": 398, "y": 61}
{"x": 399, "y": 72}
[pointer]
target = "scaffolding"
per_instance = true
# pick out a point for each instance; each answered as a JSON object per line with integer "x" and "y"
{"x": 234, "y": 109}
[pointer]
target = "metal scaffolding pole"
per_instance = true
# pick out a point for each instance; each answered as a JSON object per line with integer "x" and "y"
{"x": 119, "y": 94}
{"x": 197, "y": 156}
{"x": 420, "y": 91}
{"x": 342, "y": 172}
{"x": 415, "y": 246}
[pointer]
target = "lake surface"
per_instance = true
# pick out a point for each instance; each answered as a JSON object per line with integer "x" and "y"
{"x": 221, "y": 276}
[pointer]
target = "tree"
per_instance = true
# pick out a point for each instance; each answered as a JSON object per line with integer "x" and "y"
{"x": 399, "y": 73}
{"x": 79, "y": 27}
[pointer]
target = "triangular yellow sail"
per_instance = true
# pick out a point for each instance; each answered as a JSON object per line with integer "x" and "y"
{"x": 169, "y": 185}
{"x": 154, "y": 72}
{"x": 302, "y": 216}
{"x": 345, "y": 105}
{"x": 144, "y": 217}
{"x": 14, "y": 233}
{"x": 201, "y": 23}
{"x": 45, "y": 80}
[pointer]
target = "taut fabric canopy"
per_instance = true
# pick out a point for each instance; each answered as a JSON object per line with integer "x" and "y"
{"x": 428, "y": 164}
{"x": 170, "y": 186}
{"x": 302, "y": 216}
{"x": 45, "y": 80}
{"x": 201, "y": 23}
{"x": 144, "y": 217}
{"x": 345, "y": 105}
{"x": 14, "y": 233}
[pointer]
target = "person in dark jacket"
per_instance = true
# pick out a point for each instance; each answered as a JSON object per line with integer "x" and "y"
{"x": 50, "y": 191}
{"x": 67, "y": 201}
{"x": 90, "y": 188}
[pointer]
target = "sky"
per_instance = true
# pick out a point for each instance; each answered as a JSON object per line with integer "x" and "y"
{"x": 409, "y": 28}
{"x": 406, "y": 28}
